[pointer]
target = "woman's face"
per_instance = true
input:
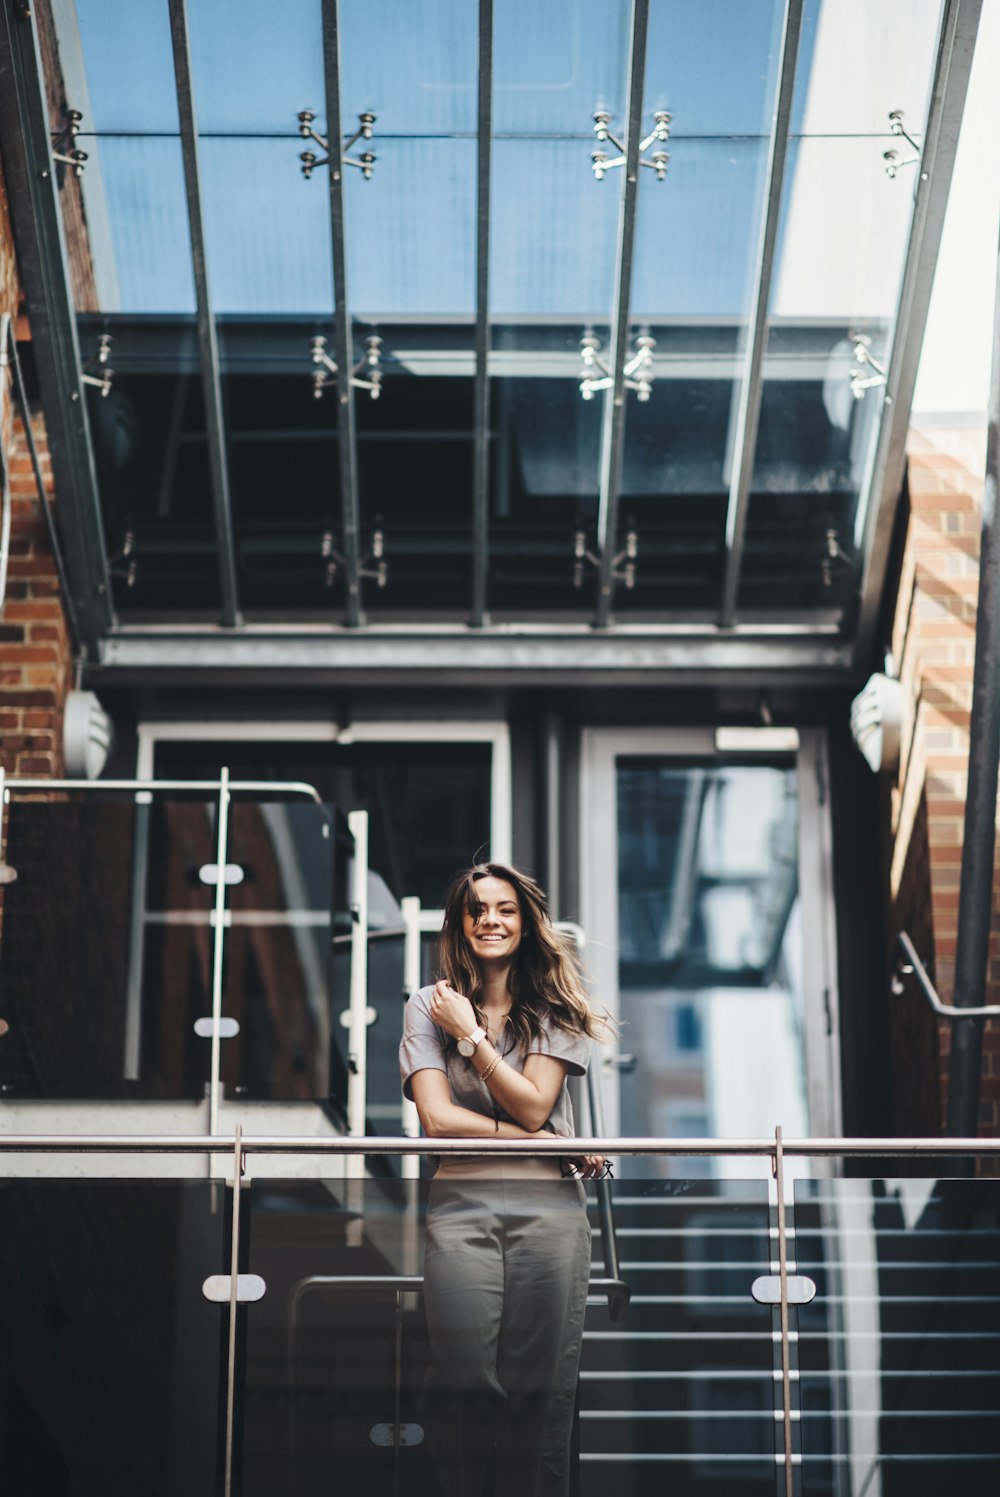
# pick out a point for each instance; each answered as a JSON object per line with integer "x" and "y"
{"x": 495, "y": 933}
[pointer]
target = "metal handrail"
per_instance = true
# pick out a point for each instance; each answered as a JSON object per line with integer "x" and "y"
{"x": 286, "y": 787}
{"x": 908, "y": 964}
{"x": 505, "y": 1148}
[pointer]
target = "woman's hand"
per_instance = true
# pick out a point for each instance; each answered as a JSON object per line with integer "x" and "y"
{"x": 589, "y": 1166}
{"x": 452, "y": 1011}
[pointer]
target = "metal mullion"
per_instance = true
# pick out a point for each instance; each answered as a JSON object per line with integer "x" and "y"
{"x": 748, "y": 413}
{"x": 481, "y": 416}
{"x": 883, "y": 478}
{"x": 613, "y": 423}
{"x": 208, "y": 343}
{"x": 343, "y": 342}
{"x": 43, "y": 262}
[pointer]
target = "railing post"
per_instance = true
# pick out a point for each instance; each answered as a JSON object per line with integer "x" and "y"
{"x": 786, "y": 1360}
{"x": 222, "y": 836}
{"x": 234, "y": 1270}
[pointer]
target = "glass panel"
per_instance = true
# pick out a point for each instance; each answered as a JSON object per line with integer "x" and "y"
{"x": 152, "y": 465}
{"x": 840, "y": 253}
{"x": 123, "y": 49}
{"x": 128, "y": 920}
{"x": 255, "y": 65}
{"x": 682, "y": 1394}
{"x": 137, "y": 224}
{"x": 112, "y": 1361}
{"x": 710, "y": 953}
{"x": 277, "y": 261}
{"x": 899, "y": 1351}
{"x": 555, "y": 66}
{"x": 279, "y": 973}
{"x": 714, "y": 69}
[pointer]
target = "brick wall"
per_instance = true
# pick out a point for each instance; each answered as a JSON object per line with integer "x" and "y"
{"x": 934, "y": 643}
{"x": 35, "y": 648}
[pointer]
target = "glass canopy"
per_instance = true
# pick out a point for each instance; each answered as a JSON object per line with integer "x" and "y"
{"x": 480, "y": 257}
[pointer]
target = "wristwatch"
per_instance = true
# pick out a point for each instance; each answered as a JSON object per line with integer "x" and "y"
{"x": 467, "y": 1046}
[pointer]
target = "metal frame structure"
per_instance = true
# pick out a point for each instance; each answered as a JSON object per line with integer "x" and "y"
{"x": 751, "y": 390}
{"x": 884, "y": 477}
{"x": 613, "y": 422}
{"x": 208, "y": 342}
{"x": 481, "y": 418}
{"x": 31, "y": 182}
{"x": 343, "y": 349}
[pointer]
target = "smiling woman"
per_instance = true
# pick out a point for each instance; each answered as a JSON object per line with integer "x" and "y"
{"x": 486, "y": 1053}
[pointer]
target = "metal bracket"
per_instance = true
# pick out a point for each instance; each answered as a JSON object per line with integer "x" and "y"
{"x": 834, "y": 555}
{"x": 389, "y": 1435}
{"x": 374, "y": 565}
{"x": 867, "y": 372}
{"x": 64, "y": 150}
{"x": 371, "y": 1014}
{"x": 232, "y": 873}
{"x": 218, "y": 1288}
{"x": 365, "y": 163}
{"x": 122, "y": 563}
{"x": 893, "y": 160}
{"x": 637, "y": 373}
{"x": 602, "y": 163}
{"x": 767, "y": 1289}
{"x": 205, "y": 1028}
{"x": 622, "y": 566}
{"x": 366, "y": 374}
{"x": 104, "y": 380}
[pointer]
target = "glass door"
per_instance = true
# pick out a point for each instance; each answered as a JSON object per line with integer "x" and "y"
{"x": 711, "y": 939}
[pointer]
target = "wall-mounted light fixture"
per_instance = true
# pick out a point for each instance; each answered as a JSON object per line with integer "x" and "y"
{"x": 365, "y": 163}
{"x": 658, "y": 162}
{"x": 88, "y": 734}
{"x": 877, "y": 721}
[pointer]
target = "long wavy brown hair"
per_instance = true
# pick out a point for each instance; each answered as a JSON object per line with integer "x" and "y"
{"x": 545, "y": 979}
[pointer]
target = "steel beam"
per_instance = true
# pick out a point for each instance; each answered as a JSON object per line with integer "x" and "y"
{"x": 44, "y": 266}
{"x": 481, "y": 417}
{"x": 883, "y": 479}
{"x": 975, "y": 904}
{"x": 207, "y": 337}
{"x": 418, "y": 655}
{"x": 343, "y": 341}
{"x": 613, "y": 425}
{"x": 748, "y": 411}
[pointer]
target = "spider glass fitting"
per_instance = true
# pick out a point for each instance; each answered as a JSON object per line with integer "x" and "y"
{"x": 622, "y": 568}
{"x": 893, "y": 160}
{"x": 366, "y": 374}
{"x": 374, "y": 565}
{"x": 638, "y": 371}
{"x": 365, "y": 163}
{"x": 123, "y": 564}
{"x": 867, "y": 372}
{"x": 603, "y": 163}
{"x": 103, "y": 380}
{"x": 834, "y": 556}
{"x": 64, "y": 148}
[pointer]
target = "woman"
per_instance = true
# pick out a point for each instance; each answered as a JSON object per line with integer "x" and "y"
{"x": 486, "y": 1053}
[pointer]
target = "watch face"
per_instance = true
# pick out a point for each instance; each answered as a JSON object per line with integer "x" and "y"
{"x": 466, "y": 1047}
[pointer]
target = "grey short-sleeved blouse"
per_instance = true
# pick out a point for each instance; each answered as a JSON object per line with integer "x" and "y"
{"x": 425, "y": 1046}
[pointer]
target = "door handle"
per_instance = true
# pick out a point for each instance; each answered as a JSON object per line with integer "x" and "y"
{"x": 626, "y": 1063}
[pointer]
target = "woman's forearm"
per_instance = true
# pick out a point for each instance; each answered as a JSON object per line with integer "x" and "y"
{"x": 452, "y": 1121}
{"x": 514, "y": 1092}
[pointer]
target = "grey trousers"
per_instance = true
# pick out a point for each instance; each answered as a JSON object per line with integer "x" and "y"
{"x": 505, "y": 1290}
